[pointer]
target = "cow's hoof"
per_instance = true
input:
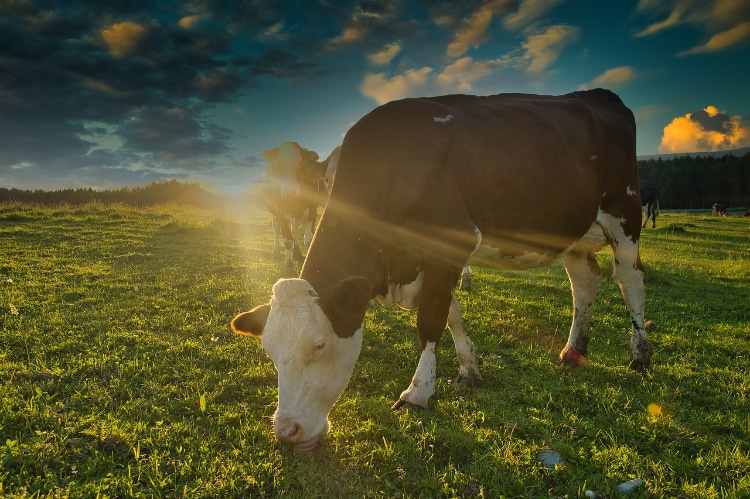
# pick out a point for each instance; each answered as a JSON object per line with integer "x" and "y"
{"x": 570, "y": 357}
{"x": 403, "y": 404}
{"x": 640, "y": 366}
{"x": 469, "y": 381}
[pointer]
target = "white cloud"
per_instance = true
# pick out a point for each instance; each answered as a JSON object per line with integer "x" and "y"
{"x": 474, "y": 29}
{"x": 707, "y": 130}
{"x": 543, "y": 48}
{"x": 528, "y": 12}
{"x": 382, "y": 90}
{"x": 723, "y": 40}
{"x": 386, "y": 55}
{"x": 726, "y": 22}
{"x": 612, "y": 78}
{"x": 462, "y": 73}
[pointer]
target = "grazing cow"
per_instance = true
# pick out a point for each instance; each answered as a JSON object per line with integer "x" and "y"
{"x": 295, "y": 182}
{"x": 747, "y": 214}
{"x": 650, "y": 205}
{"x": 719, "y": 209}
{"x": 427, "y": 186}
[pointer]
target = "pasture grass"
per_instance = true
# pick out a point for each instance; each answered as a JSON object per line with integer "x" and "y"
{"x": 120, "y": 376}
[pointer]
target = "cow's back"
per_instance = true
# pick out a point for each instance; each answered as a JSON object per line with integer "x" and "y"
{"x": 452, "y": 160}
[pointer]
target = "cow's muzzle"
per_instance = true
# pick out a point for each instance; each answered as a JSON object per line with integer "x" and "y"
{"x": 291, "y": 432}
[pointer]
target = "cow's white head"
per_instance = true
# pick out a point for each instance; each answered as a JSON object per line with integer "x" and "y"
{"x": 314, "y": 345}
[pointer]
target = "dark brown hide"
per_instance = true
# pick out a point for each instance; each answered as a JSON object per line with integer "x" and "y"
{"x": 417, "y": 178}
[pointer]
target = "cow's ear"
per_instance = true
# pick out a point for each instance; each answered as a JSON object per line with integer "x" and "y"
{"x": 309, "y": 155}
{"x": 349, "y": 304}
{"x": 251, "y": 323}
{"x": 313, "y": 169}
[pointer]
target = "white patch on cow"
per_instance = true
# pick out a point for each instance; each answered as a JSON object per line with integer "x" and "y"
{"x": 445, "y": 119}
{"x": 594, "y": 157}
{"x": 468, "y": 370}
{"x": 423, "y": 383}
{"x": 630, "y": 278}
{"x": 487, "y": 256}
{"x": 404, "y": 295}
{"x": 490, "y": 257}
{"x": 314, "y": 364}
{"x": 631, "y": 192}
{"x": 594, "y": 239}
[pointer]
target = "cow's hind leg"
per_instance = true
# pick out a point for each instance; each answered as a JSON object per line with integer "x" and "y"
{"x": 629, "y": 274}
{"x": 584, "y": 275}
{"x": 468, "y": 371}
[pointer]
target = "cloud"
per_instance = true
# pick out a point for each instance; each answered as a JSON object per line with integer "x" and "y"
{"x": 721, "y": 41}
{"x": 726, "y": 22}
{"x": 708, "y": 129}
{"x": 528, "y": 12}
{"x": 381, "y": 89}
{"x": 474, "y": 29}
{"x": 542, "y": 48}
{"x": 122, "y": 39}
{"x": 366, "y": 19}
{"x": 173, "y": 135}
{"x": 386, "y": 55}
{"x": 646, "y": 113}
{"x": 465, "y": 71}
{"x": 612, "y": 78}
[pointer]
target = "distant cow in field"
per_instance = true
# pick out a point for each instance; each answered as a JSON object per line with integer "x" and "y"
{"x": 425, "y": 187}
{"x": 719, "y": 209}
{"x": 747, "y": 214}
{"x": 649, "y": 205}
{"x": 295, "y": 187}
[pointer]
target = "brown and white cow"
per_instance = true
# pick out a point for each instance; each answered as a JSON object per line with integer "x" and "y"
{"x": 427, "y": 186}
{"x": 719, "y": 209}
{"x": 294, "y": 191}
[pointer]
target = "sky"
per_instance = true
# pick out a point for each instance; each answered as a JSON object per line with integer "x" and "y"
{"x": 126, "y": 92}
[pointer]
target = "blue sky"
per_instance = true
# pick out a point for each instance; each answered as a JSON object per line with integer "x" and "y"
{"x": 124, "y": 92}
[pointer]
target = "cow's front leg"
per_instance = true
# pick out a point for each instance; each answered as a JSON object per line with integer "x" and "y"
{"x": 466, "y": 279}
{"x": 286, "y": 234}
{"x": 468, "y": 370}
{"x": 312, "y": 213}
{"x": 584, "y": 275}
{"x": 295, "y": 234}
{"x": 432, "y": 317}
{"x": 276, "y": 237}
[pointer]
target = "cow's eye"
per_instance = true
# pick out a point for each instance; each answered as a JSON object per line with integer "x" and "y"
{"x": 319, "y": 346}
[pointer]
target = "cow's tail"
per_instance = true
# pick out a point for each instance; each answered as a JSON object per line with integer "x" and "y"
{"x": 657, "y": 206}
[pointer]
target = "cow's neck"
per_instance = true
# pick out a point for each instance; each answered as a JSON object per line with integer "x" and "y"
{"x": 343, "y": 248}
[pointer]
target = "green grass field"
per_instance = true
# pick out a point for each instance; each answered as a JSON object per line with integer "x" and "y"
{"x": 120, "y": 376}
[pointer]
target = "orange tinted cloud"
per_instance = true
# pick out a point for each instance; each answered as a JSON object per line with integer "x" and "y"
{"x": 122, "y": 38}
{"x": 706, "y": 130}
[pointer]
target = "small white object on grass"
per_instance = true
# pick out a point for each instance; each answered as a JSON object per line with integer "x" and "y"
{"x": 627, "y": 487}
{"x": 550, "y": 458}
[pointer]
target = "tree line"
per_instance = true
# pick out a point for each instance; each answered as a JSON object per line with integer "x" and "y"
{"x": 697, "y": 182}
{"x": 172, "y": 191}
{"x": 684, "y": 182}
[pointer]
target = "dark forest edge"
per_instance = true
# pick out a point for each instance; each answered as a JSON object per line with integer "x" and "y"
{"x": 697, "y": 182}
{"x": 684, "y": 182}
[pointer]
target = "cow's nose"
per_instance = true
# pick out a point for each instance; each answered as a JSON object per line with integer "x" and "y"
{"x": 288, "y": 431}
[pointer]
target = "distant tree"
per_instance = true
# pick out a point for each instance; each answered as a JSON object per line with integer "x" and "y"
{"x": 688, "y": 182}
